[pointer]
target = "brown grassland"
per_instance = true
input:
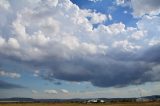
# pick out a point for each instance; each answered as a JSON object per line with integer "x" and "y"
{"x": 78, "y": 104}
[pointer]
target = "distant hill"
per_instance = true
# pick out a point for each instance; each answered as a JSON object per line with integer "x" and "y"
{"x": 152, "y": 97}
{"x": 18, "y": 99}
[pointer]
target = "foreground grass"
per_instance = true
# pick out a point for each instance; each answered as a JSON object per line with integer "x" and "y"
{"x": 77, "y": 104}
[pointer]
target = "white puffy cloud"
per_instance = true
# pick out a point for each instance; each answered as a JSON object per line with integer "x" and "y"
{"x": 142, "y": 7}
{"x": 34, "y": 91}
{"x": 113, "y": 29}
{"x": 64, "y": 91}
{"x": 154, "y": 42}
{"x": 51, "y": 2}
{"x": 12, "y": 42}
{"x": 138, "y": 35}
{"x": 9, "y": 74}
{"x": 51, "y": 91}
{"x": 4, "y": 4}
{"x": 123, "y": 3}
{"x": 120, "y": 2}
{"x": 150, "y": 24}
{"x": 98, "y": 18}
{"x": 125, "y": 46}
{"x": 150, "y": 27}
{"x": 33, "y": 35}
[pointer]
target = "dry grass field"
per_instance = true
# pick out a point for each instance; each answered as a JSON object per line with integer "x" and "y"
{"x": 76, "y": 104}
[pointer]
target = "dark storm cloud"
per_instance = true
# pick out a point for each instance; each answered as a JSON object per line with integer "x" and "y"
{"x": 102, "y": 71}
{"x": 118, "y": 69}
{"x": 151, "y": 54}
{"x": 7, "y": 85}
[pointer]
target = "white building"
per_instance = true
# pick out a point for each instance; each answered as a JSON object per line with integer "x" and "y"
{"x": 95, "y": 101}
{"x": 142, "y": 100}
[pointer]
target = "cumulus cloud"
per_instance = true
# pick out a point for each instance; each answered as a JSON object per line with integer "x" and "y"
{"x": 34, "y": 91}
{"x": 4, "y": 4}
{"x": 119, "y": 2}
{"x": 9, "y": 74}
{"x": 60, "y": 40}
{"x": 142, "y": 7}
{"x": 98, "y": 18}
{"x": 125, "y": 45}
{"x": 145, "y": 25}
{"x": 137, "y": 35}
{"x": 123, "y": 3}
{"x": 51, "y": 91}
{"x": 64, "y": 91}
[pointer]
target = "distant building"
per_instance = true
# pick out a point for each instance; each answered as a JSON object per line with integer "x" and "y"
{"x": 95, "y": 101}
{"x": 102, "y": 101}
{"x": 92, "y": 101}
{"x": 142, "y": 100}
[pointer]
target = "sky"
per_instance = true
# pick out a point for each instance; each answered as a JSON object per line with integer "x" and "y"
{"x": 79, "y": 48}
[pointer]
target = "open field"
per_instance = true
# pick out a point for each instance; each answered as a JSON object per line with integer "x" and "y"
{"x": 77, "y": 104}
